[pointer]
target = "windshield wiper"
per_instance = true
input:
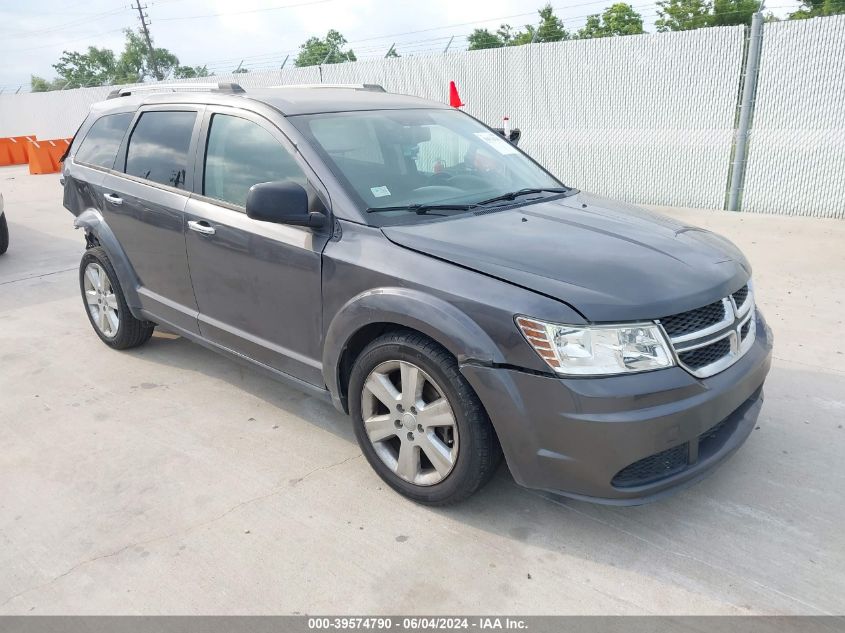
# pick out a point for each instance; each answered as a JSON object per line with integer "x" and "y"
{"x": 422, "y": 209}
{"x": 513, "y": 195}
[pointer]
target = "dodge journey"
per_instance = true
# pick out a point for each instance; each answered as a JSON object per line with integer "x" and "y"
{"x": 405, "y": 261}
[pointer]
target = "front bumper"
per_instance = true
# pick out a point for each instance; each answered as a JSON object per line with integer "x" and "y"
{"x": 622, "y": 439}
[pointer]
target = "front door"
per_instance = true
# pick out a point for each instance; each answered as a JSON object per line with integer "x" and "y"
{"x": 145, "y": 207}
{"x": 257, "y": 284}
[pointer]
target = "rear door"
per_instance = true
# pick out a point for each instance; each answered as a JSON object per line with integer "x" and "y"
{"x": 92, "y": 155}
{"x": 257, "y": 284}
{"x": 145, "y": 205}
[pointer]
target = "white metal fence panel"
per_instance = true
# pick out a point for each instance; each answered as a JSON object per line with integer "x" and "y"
{"x": 646, "y": 119}
{"x": 48, "y": 115}
{"x": 796, "y": 156}
{"x": 58, "y": 114}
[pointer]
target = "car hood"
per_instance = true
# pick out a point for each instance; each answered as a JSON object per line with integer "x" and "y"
{"x": 608, "y": 260}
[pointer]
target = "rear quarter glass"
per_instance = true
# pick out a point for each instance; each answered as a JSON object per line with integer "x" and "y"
{"x": 100, "y": 144}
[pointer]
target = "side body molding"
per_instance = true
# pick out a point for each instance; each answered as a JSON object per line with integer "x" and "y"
{"x": 91, "y": 220}
{"x": 407, "y": 307}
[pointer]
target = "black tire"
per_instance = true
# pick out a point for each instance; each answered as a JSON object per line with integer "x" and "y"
{"x": 131, "y": 332}
{"x": 4, "y": 234}
{"x": 479, "y": 451}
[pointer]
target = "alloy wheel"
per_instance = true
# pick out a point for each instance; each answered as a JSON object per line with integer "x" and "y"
{"x": 101, "y": 300}
{"x": 410, "y": 422}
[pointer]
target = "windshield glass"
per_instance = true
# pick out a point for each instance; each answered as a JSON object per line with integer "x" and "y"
{"x": 423, "y": 159}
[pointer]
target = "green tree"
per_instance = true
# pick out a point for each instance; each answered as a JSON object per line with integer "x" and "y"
{"x": 96, "y": 67}
{"x": 189, "y": 72}
{"x": 682, "y": 15}
{"x": 551, "y": 27}
{"x": 101, "y": 66}
{"x": 525, "y": 36}
{"x": 239, "y": 70}
{"x": 617, "y": 19}
{"x": 330, "y": 49}
{"x": 135, "y": 63}
{"x": 733, "y": 12}
{"x": 506, "y": 33}
{"x": 483, "y": 38}
{"x": 818, "y": 8}
{"x": 39, "y": 84}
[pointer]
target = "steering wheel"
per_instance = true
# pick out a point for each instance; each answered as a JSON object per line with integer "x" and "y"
{"x": 433, "y": 192}
{"x": 468, "y": 181}
{"x": 441, "y": 176}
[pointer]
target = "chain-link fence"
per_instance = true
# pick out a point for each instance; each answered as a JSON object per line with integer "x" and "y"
{"x": 647, "y": 118}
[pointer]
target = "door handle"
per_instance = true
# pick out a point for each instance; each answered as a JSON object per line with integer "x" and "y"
{"x": 201, "y": 227}
{"x": 113, "y": 199}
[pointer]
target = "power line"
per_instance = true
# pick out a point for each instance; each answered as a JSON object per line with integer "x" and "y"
{"x": 59, "y": 27}
{"x": 85, "y": 37}
{"x": 214, "y": 15}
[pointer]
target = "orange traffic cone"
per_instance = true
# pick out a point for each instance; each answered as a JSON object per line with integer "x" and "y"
{"x": 454, "y": 97}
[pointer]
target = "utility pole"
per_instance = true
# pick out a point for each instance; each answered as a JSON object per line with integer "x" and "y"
{"x": 749, "y": 90}
{"x": 448, "y": 44}
{"x": 144, "y": 28}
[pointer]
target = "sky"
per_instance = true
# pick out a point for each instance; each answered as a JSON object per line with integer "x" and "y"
{"x": 222, "y": 33}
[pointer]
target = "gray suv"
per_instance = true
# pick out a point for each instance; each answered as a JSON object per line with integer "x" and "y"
{"x": 410, "y": 264}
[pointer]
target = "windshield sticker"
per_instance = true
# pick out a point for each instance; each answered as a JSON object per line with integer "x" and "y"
{"x": 496, "y": 142}
{"x": 380, "y": 192}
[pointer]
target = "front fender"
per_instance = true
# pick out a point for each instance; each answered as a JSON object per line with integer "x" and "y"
{"x": 92, "y": 221}
{"x": 410, "y": 308}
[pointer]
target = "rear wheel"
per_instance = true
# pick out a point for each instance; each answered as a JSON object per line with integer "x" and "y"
{"x": 418, "y": 421}
{"x": 106, "y": 306}
{"x": 4, "y": 234}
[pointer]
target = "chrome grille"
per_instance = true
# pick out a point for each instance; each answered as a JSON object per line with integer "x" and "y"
{"x": 703, "y": 356}
{"x": 694, "y": 320}
{"x": 740, "y": 296}
{"x": 710, "y": 339}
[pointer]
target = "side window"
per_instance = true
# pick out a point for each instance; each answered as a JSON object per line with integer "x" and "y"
{"x": 240, "y": 154}
{"x": 158, "y": 147}
{"x": 100, "y": 144}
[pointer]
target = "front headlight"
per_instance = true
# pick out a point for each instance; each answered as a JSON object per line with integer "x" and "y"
{"x": 598, "y": 350}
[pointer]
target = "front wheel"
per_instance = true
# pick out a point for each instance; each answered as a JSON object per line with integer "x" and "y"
{"x": 419, "y": 423}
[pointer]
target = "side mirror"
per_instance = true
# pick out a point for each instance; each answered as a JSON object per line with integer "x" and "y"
{"x": 514, "y": 137}
{"x": 282, "y": 202}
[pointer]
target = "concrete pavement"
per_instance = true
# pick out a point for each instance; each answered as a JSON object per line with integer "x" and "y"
{"x": 169, "y": 480}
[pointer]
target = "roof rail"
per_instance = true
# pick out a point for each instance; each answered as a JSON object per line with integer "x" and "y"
{"x": 225, "y": 87}
{"x": 368, "y": 87}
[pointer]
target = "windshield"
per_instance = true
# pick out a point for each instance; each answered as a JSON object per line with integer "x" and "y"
{"x": 405, "y": 165}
